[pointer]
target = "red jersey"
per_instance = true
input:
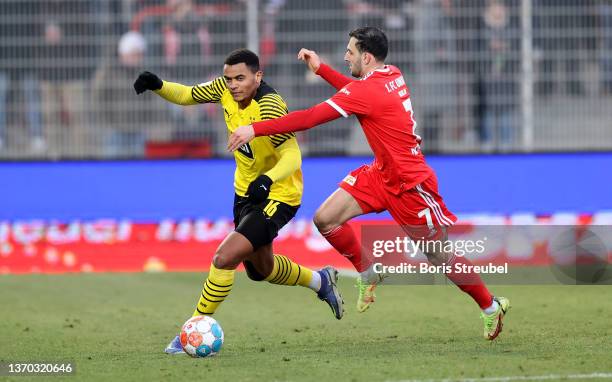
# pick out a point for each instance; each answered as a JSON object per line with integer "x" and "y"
{"x": 381, "y": 102}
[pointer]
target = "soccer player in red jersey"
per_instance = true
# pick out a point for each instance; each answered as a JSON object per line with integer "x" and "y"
{"x": 398, "y": 180}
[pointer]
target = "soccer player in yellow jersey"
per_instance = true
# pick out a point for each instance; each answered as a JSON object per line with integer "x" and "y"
{"x": 267, "y": 181}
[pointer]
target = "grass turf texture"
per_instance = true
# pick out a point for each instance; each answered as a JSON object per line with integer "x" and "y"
{"x": 115, "y": 326}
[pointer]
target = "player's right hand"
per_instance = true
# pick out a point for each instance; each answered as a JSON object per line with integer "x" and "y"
{"x": 311, "y": 58}
{"x": 147, "y": 81}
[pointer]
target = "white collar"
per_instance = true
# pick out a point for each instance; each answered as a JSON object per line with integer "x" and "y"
{"x": 384, "y": 69}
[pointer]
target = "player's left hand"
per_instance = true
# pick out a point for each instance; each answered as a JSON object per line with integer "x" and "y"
{"x": 241, "y": 136}
{"x": 259, "y": 189}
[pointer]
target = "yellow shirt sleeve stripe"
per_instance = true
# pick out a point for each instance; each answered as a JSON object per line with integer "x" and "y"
{"x": 272, "y": 106}
{"x": 210, "y": 91}
{"x": 220, "y": 85}
{"x": 279, "y": 139}
{"x": 272, "y": 101}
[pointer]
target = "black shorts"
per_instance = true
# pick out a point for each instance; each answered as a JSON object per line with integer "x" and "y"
{"x": 260, "y": 223}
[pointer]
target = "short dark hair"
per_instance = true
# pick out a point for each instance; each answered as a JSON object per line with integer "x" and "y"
{"x": 245, "y": 56}
{"x": 371, "y": 40}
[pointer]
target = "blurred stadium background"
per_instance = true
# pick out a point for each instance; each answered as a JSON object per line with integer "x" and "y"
{"x": 524, "y": 77}
{"x": 486, "y": 75}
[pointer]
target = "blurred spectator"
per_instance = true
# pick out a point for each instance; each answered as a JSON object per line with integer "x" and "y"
{"x": 605, "y": 52}
{"x": 468, "y": 24}
{"x": 500, "y": 42}
{"x": 70, "y": 58}
{"x": 435, "y": 78}
{"x": 179, "y": 41}
{"x": 267, "y": 43}
{"x": 300, "y": 25}
{"x": 180, "y": 49}
{"x": 386, "y": 14}
{"x": 396, "y": 18}
{"x": 18, "y": 71}
{"x": 560, "y": 28}
{"x": 117, "y": 109}
{"x": 114, "y": 17}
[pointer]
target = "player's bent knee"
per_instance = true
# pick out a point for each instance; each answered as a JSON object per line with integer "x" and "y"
{"x": 323, "y": 221}
{"x": 222, "y": 261}
{"x": 437, "y": 258}
{"x": 218, "y": 261}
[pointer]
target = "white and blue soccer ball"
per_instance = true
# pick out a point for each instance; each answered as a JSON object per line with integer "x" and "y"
{"x": 201, "y": 336}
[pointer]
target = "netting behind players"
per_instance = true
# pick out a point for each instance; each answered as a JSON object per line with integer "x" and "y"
{"x": 486, "y": 75}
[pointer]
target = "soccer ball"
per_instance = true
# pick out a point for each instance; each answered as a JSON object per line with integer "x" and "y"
{"x": 201, "y": 336}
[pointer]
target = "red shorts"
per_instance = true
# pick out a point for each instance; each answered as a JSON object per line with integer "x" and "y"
{"x": 418, "y": 207}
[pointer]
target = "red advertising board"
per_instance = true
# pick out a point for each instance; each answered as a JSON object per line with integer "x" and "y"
{"x": 125, "y": 246}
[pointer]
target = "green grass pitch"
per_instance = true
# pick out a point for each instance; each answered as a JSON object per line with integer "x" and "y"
{"x": 115, "y": 327}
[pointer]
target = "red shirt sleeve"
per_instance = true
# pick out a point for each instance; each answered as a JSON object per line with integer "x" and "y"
{"x": 297, "y": 120}
{"x": 333, "y": 77}
{"x": 352, "y": 99}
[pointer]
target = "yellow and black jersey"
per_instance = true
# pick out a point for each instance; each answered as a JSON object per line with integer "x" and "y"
{"x": 277, "y": 156}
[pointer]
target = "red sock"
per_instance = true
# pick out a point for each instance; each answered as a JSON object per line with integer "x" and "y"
{"x": 470, "y": 283}
{"x": 344, "y": 240}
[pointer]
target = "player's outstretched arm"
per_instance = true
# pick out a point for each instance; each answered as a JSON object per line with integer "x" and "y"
{"x": 333, "y": 77}
{"x": 178, "y": 93}
{"x": 170, "y": 91}
{"x": 295, "y": 121}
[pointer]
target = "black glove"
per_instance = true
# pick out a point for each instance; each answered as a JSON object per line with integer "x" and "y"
{"x": 259, "y": 189}
{"x": 147, "y": 81}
